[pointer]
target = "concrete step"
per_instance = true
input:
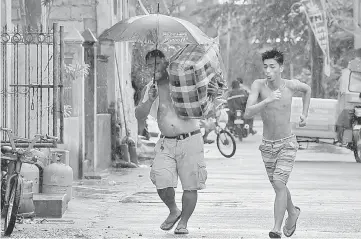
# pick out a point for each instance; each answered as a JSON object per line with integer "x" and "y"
{"x": 50, "y": 205}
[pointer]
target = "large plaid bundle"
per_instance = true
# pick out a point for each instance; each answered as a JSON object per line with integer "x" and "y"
{"x": 195, "y": 75}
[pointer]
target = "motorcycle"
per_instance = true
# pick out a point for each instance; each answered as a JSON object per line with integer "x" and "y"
{"x": 241, "y": 128}
{"x": 336, "y": 120}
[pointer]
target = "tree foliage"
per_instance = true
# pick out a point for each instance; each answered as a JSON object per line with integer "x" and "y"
{"x": 256, "y": 25}
{"x": 261, "y": 24}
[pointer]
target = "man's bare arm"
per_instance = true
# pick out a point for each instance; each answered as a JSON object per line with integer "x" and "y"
{"x": 143, "y": 108}
{"x": 253, "y": 107}
{"x": 306, "y": 98}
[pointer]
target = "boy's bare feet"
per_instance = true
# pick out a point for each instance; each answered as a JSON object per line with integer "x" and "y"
{"x": 171, "y": 220}
{"x": 290, "y": 223}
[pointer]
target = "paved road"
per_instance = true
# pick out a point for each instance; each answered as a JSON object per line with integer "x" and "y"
{"x": 238, "y": 201}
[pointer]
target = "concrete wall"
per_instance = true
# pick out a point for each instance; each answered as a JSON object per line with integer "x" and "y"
{"x": 120, "y": 68}
{"x": 72, "y": 142}
{"x": 80, "y": 14}
{"x": 3, "y": 13}
{"x": 99, "y": 16}
{"x": 15, "y": 12}
{"x": 125, "y": 59}
{"x": 103, "y": 159}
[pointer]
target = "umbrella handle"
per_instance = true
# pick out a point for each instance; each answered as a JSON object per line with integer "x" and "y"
{"x": 155, "y": 66}
{"x": 156, "y": 47}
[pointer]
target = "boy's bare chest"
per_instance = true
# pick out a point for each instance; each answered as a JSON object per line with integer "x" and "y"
{"x": 283, "y": 103}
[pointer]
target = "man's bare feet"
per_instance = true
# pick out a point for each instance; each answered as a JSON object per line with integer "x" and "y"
{"x": 171, "y": 220}
{"x": 181, "y": 228}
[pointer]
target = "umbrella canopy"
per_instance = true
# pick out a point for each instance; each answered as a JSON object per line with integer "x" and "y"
{"x": 156, "y": 29}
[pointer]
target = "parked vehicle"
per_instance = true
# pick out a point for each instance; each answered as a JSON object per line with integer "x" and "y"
{"x": 336, "y": 120}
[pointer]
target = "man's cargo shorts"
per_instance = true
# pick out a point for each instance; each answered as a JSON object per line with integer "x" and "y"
{"x": 183, "y": 157}
{"x": 279, "y": 157}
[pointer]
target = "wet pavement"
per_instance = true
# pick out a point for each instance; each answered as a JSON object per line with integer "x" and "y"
{"x": 238, "y": 201}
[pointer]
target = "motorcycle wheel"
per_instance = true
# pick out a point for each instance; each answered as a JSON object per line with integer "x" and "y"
{"x": 245, "y": 133}
{"x": 356, "y": 146}
{"x": 239, "y": 133}
{"x": 357, "y": 149}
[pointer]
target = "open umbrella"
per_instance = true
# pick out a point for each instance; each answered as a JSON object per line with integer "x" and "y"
{"x": 195, "y": 69}
{"x": 156, "y": 29}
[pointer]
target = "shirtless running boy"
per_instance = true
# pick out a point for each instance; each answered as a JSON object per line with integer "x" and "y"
{"x": 272, "y": 97}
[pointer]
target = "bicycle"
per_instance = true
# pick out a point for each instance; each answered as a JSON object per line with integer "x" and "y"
{"x": 12, "y": 158}
{"x": 219, "y": 124}
{"x": 224, "y": 137}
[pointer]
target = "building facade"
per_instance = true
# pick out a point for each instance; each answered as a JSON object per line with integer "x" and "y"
{"x": 96, "y": 78}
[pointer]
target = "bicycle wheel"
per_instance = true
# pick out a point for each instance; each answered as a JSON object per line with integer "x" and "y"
{"x": 11, "y": 210}
{"x": 3, "y": 188}
{"x": 226, "y": 144}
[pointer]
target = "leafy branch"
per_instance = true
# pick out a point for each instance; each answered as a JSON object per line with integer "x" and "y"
{"x": 76, "y": 70}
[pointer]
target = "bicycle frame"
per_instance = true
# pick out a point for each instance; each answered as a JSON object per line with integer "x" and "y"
{"x": 15, "y": 158}
{"x": 219, "y": 127}
{"x": 18, "y": 157}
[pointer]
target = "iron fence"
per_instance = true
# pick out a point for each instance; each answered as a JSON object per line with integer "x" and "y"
{"x": 32, "y": 81}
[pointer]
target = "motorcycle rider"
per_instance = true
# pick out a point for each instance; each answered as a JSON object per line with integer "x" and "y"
{"x": 237, "y": 100}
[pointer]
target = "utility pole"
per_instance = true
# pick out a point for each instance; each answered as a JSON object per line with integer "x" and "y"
{"x": 229, "y": 35}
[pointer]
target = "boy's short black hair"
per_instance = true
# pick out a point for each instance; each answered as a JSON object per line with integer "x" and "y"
{"x": 240, "y": 80}
{"x": 273, "y": 54}
{"x": 154, "y": 53}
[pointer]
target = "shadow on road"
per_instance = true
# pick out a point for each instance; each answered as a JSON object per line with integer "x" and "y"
{"x": 323, "y": 148}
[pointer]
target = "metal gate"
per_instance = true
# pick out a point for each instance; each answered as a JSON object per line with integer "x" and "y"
{"x": 31, "y": 85}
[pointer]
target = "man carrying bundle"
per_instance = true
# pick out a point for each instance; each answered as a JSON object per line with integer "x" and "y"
{"x": 179, "y": 151}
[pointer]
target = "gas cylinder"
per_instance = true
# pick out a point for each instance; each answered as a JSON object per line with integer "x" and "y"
{"x": 58, "y": 179}
{"x": 31, "y": 172}
{"x": 27, "y": 207}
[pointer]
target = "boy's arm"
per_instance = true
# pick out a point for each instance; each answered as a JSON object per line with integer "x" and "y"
{"x": 252, "y": 107}
{"x": 306, "y": 97}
